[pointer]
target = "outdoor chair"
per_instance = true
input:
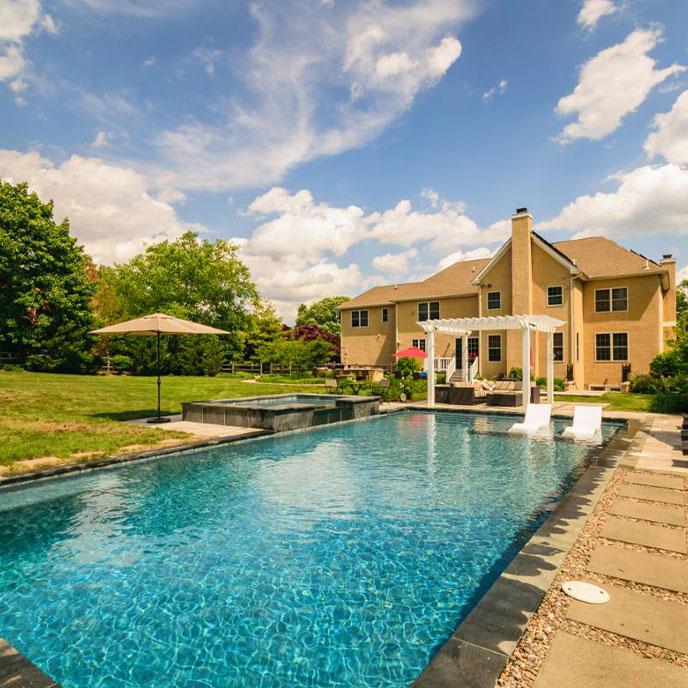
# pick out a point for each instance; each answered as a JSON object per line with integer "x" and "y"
{"x": 331, "y": 385}
{"x": 381, "y": 389}
{"x": 536, "y": 421}
{"x": 587, "y": 423}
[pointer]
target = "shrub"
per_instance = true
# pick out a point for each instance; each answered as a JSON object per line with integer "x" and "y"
{"x": 669, "y": 403}
{"x": 408, "y": 366}
{"x": 121, "y": 363}
{"x": 558, "y": 383}
{"x": 668, "y": 364}
{"x": 646, "y": 384}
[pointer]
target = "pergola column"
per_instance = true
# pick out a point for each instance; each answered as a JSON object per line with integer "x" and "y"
{"x": 431, "y": 367}
{"x": 550, "y": 367}
{"x": 464, "y": 356}
{"x": 526, "y": 366}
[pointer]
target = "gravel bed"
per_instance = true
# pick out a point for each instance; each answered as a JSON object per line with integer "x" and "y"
{"x": 526, "y": 661}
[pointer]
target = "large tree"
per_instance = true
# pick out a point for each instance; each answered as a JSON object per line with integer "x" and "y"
{"x": 323, "y": 313}
{"x": 45, "y": 308}
{"x": 190, "y": 278}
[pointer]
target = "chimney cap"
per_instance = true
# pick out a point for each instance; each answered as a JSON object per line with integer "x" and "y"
{"x": 667, "y": 256}
{"x": 521, "y": 211}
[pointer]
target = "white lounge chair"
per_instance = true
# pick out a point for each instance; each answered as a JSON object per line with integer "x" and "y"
{"x": 587, "y": 423}
{"x": 536, "y": 421}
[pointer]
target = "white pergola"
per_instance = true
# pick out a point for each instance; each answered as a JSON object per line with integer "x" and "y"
{"x": 463, "y": 327}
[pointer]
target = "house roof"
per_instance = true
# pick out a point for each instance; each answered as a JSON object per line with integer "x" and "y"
{"x": 455, "y": 280}
{"x": 602, "y": 257}
{"x": 594, "y": 257}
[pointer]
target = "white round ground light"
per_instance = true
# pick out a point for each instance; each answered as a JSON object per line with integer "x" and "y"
{"x": 585, "y": 592}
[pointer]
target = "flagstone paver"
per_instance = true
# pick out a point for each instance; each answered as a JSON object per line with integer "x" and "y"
{"x": 640, "y": 567}
{"x": 659, "y": 513}
{"x": 639, "y": 616}
{"x": 575, "y": 662}
{"x": 648, "y": 534}
{"x": 669, "y": 481}
{"x": 654, "y": 494}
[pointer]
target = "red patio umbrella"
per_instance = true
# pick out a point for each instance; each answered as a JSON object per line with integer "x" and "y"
{"x": 410, "y": 352}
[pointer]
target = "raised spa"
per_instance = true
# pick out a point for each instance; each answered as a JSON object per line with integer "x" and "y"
{"x": 281, "y": 412}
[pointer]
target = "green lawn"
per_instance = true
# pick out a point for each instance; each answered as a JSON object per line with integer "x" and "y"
{"x": 617, "y": 401}
{"x": 67, "y": 416}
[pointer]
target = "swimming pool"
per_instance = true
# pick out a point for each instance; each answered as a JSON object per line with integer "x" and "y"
{"x": 341, "y": 556}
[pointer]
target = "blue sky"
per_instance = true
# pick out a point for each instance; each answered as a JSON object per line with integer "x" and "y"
{"x": 343, "y": 143}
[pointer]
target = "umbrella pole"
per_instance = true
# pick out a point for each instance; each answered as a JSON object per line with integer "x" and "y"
{"x": 159, "y": 419}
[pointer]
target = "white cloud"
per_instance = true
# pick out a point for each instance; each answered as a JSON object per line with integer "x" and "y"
{"x": 150, "y": 61}
{"x": 317, "y": 82}
{"x": 207, "y": 57}
{"x": 647, "y": 200}
{"x": 456, "y": 256}
{"x": 593, "y": 10}
{"x": 611, "y": 85}
{"x": 395, "y": 263}
{"x": 113, "y": 210}
{"x": 18, "y": 20}
{"x": 670, "y": 136}
{"x": 498, "y": 89}
{"x": 100, "y": 140}
{"x": 296, "y": 249}
{"x": 682, "y": 274}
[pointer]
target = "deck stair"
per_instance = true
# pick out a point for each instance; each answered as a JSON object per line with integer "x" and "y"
{"x": 457, "y": 376}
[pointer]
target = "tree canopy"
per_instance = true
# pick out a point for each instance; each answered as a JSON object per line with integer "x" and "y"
{"x": 190, "y": 278}
{"x": 46, "y": 285}
{"x": 323, "y": 313}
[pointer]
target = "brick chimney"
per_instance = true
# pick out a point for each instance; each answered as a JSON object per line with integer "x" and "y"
{"x": 521, "y": 262}
{"x": 668, "y": 263}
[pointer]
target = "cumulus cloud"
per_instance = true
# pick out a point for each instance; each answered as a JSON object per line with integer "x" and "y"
{"x": 113, "y": 210}
{"x": 613, "y": 84}
{"x": 593, "y": 10}
{"x": 207, "y": 57}
{"x": 456, "y": 256}
{"x": 100, "y": 140}
{"x": 18, "y": 20}
{"x": 318, "y": 80}
{"x": 647, "y": 200}
{"x": 300, "y": 249}
{"x": 499, "y": 89}
{"x": 669, "y": 137}
{"x": 395, "y": 263}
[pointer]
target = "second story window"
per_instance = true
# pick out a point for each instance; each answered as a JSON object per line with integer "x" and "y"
{"x": 418, "y": 343}
{"x": 611, "y": 300}
{"x": 555, "y": 296}
{"x": 494, "y": 300}
{"x": 558, "y": 346}
{"x": 359, "y": 318}
{"x": 385, "y": 314}
{"x": 429, "y": 310}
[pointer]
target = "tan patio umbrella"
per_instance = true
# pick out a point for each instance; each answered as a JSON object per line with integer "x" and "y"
{"x": 153, "y": 326}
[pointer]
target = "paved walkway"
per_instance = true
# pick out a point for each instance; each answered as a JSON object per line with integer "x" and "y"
{"x": 639, "y": 638}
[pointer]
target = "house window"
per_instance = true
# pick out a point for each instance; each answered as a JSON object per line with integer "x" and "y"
{"x": 620, "y": 346}
{"x": 359, "y": 318}
{"x": 473, "y": 348}
{"x": 494, "y": 300}
{"x": 418, "y": 343}
{"x": 615, "y": 300}
{"x": 558, "y": 346}
{"x": 555, "y": 296}
{"x": 577, "y": 346}
{"x": 611, "y": 347}
{"x": 429, "y": 310}
{"x": 494, "y": 347}
{"x": 385, "y": 314}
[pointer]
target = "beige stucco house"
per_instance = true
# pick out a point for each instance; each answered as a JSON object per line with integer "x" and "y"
{"x": 619, "y": 309}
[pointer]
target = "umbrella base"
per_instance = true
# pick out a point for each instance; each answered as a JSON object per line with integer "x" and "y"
{"x": 159, "y": 420}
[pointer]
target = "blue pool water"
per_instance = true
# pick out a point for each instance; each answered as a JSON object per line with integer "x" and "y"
{"x": 342, "y": 556}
